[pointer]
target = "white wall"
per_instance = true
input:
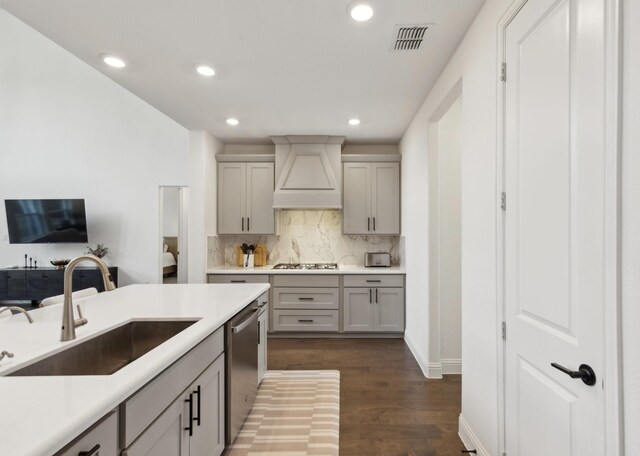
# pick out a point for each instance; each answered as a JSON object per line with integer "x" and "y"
{"x": 475, "y": 62}
{"x": 170, "y": 211}
{"x": 69, "y": 131}
{"x": 631, "y": 224}
{"x": 449, "y": 167}
{"x": 203, "y": 147}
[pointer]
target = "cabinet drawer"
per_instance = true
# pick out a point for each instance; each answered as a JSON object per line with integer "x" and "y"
{"x": 306, "y": 280}
{"x": 305, "y": 320}
{"x": 104, "y": 434}
{"x": 374, "y": 280}
{"x": 306, "y": 298}
{"x": 148, "y": 403}
{"x": 238, "y": 278}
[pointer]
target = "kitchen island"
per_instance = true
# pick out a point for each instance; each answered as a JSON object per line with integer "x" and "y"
{"x": 40, "y": 415}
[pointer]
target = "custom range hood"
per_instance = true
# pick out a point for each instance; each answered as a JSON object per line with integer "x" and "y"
{"x": 308, "y": 172}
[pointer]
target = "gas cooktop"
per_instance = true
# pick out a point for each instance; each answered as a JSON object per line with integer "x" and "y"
{"x": 306, "y": 266}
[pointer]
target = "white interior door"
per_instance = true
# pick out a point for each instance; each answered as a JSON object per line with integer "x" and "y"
{"x": 554, "y": 228}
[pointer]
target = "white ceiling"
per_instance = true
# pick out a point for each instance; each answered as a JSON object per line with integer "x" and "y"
{"x": 282, "y": 66}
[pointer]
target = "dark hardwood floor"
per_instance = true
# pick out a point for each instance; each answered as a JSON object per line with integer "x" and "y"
{"x": 387, "y": 406}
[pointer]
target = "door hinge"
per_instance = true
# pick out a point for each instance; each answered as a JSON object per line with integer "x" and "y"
{"x": 504, "y": 330}
{"x": 503, "y": 72}
{"x": 503, "y": 201}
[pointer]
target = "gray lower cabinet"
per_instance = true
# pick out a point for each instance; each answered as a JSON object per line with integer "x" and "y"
{"x": 357, "y": 310}
{"x": 100, "y": 439}
{"x": 373, "y": 303}
{"x": 373, "y": 309}
{"x": 388, "y": 315}
{"x": 167, "y": 435}
{"x": 193, "y": 422}
{"x": 206, "y": 397}
{"x": 306, "y": 303}
{"x": 263, "y": 328}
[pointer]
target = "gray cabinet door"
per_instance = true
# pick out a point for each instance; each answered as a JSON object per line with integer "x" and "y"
{"x": 232, "y": 197}
{"x": 356, "y": 207}
{"x": 263, "y": 326}
{"x": 357, "y": 309}
{"x": 208, "y": 411}
{"x": 167, "y": 435}
{"x": 260, "y": 213}
{"x": 389, "y": 309}
{"x": 385, "y": 198}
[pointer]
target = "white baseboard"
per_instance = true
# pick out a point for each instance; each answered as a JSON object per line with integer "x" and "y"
{"x": 451, "y": 366}
{"x": 434, "y": 370}
{"x": 469, "y": 438}
{"x": 422, "y": 363}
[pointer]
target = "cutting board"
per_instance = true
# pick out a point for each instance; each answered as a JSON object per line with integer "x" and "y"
{"x": 260, "y": 255}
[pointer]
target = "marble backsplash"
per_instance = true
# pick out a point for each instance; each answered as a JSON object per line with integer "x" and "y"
{"x": 312, "y": 236}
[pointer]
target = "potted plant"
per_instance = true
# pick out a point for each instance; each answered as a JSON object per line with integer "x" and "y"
{"x": 100, "y": 251}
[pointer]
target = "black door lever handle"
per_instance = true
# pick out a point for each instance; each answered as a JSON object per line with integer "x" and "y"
{"x": 584, "y": 373}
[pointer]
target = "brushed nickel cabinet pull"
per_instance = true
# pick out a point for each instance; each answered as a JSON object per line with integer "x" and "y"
{"x": 303, "y": 298}
{"x": 305, "y": 321}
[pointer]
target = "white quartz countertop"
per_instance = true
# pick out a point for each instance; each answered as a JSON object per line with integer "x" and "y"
{"x": 342, "y": 269}
{"x": 40, "y": 415}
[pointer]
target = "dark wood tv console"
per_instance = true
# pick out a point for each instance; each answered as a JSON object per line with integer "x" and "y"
{"x": 36, "y": 284}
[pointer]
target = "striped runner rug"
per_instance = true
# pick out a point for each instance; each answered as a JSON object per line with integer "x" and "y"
{"x": 295, "y": 413}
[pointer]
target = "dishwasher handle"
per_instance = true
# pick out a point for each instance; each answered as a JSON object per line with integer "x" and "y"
{"x": 246, "y": 322}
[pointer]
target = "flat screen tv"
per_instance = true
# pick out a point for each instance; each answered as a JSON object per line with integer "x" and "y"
{"x": 46, "y": 221}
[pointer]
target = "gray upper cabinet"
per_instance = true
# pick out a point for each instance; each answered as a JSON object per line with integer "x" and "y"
{"x": 371, "y": 198}
{"x": 232, "y": 197}
{"x": 385, "y": 198}
{"x": 356, "y": 206}
{"x": 245, "y": 198}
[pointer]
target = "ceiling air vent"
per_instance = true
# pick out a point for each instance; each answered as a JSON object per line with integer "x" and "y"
{"x": 409, "y": 37}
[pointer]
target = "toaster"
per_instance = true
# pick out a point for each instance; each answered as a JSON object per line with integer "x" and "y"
{"x": 377, "y": 259}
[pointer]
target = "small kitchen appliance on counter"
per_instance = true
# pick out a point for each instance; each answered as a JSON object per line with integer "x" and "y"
{"x": 377, "y": 259}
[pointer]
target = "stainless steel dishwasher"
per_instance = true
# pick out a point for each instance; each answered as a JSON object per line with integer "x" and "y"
{"x": 241, "y": 368}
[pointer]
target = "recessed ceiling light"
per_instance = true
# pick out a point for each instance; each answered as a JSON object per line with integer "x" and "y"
{"x": 233, "y": 121}
{"x": 354, "y": 122}
{"x": 205, "y": 70}
{"x": 360, "y": 12}
{"x": 113, "y": 61}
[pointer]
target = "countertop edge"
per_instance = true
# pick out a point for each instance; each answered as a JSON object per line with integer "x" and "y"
{"x": 268, "y": 270}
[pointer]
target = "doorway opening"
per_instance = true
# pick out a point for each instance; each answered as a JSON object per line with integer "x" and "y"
{"x": 173, "y": 234}
{"x": 445, "y": 150}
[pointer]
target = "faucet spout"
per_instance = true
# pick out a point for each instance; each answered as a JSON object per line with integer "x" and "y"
{"x": 18, "y": 309}
{"x": 69, "y": 323}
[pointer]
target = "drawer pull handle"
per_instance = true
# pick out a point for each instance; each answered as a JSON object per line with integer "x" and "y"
{"x": 190, "y": 426}
{"x": 197, "y": 418}
{"x": 305, "y": 321}
{"x": 302, "y": 298}
{"x": 238, "y": 281}
{"x": 374, "y": 281}
{"x": 92, "y": 451}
